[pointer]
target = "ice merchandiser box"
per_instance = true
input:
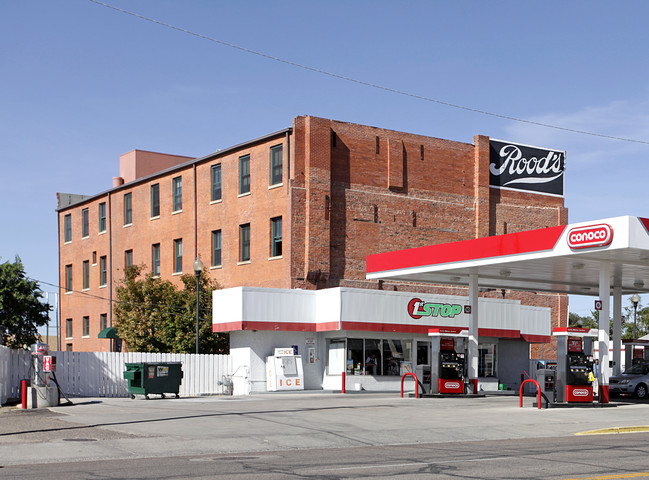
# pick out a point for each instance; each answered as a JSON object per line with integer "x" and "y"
{"x": 284, "y": 371}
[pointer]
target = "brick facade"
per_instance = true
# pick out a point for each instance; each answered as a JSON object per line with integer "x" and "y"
{"x": 347, "y": 191}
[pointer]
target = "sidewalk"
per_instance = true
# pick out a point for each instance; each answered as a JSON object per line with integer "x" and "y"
{"x": 113, "y": 428}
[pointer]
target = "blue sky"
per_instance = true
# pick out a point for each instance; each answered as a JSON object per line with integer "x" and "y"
{"x": 82, "y": 84}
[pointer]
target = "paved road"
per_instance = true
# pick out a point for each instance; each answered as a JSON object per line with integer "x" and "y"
{"x": 550, "y": 458}
{"x": 319, "y": 436}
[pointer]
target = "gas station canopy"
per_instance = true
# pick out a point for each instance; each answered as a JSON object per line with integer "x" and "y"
{"x": 564, "y": 259}
{"x": 601, "y": 258}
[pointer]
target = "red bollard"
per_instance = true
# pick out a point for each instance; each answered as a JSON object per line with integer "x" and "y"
{"x": 23, "y": 393}
{"x": 343, "y": 391}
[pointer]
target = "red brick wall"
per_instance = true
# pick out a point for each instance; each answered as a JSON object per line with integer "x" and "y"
{"x": 79, "y": 302}
{"x": 257, "y": 208}
{"x": 392, "y": 190}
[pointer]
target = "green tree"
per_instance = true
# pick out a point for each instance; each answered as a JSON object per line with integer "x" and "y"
{"x": 586, "y": 322}
{"x": 628, "y": 324}
{"x": 591, "y": 321}
{"x": 184, "y": 338}
{"x": 21, "y": 308}
{"x": 641, "y": 325}
{"x": 152, "y": 315}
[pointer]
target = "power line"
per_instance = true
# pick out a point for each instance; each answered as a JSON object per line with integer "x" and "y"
{"x": 153, "y": 307}
{"x": 365, "y": 83}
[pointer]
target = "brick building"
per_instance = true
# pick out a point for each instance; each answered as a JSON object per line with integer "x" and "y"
{"x": 298, "y": 208}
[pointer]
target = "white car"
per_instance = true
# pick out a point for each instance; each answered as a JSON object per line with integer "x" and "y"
{"x": 634, "y": 381}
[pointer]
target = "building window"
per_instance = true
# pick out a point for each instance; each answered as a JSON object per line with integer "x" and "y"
{"x": 68, "y": 347}
{"x": 86, "y": 274}
{"x": 216, "y": 248}
{"x": 178, "y": 193}
{"x": 67, "y": 228}
{"x": 276, "y": 165}
{"x": 244, "y": 174}
{"x": 178, "y": 255}
{"x": 85, "y": 223}
{"x": 68, "y": 328}
{"x": 155, "y": 258}
{"x": 68, "y": 278}
{"x": 128, "y": 209}
{"x": 216, "y": 182}
{"x": 128, "y": 258}
{"x": 94, "y": 258}
{"x": 244, "y": 242}
{"x": 372, "y": 356}
{"x": 103, "y": 280}
{"x": 276, "y": 237}
{"x": 102, "y": 217}
{"x": 86, "y": 326}
{"x": 103, "y": 321}
{"x": 155, "y": 200}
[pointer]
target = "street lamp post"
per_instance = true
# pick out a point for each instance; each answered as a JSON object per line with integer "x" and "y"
{"x": 635, "y": 298}
{"x": 198, "y": 268}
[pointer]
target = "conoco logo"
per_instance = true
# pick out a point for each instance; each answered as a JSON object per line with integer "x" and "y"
{"x": 451, "y": 385}
{"x": 580, "y": 392}
{"x": 590, "y": 236}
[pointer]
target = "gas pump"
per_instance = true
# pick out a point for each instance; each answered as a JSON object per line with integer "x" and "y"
{"x": 574, "y": 364}
{"x": 448, "y": 359}
{"x": 635, "y": 351}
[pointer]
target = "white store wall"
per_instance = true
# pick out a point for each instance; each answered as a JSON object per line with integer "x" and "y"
{"x": 260, "y": 320}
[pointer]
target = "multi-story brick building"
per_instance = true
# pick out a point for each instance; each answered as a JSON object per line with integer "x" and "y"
{"x": 299, "y": 208}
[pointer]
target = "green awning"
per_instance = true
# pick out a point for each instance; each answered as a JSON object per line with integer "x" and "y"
{"x": 110, "y": 332}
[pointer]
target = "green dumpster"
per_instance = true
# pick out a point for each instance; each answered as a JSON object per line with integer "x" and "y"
{"x": 153, "y": 377}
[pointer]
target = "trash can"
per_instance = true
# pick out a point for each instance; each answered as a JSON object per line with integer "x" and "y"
{"x": 158, "y": 378}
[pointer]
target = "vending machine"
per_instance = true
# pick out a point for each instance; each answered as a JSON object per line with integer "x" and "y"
{"x": 574, "y": 364}
{"x": 547, "y": 378}
{"x": 284, "y": 370}
{"x": 42, "y": 362}
{"x": 448, "y": 360}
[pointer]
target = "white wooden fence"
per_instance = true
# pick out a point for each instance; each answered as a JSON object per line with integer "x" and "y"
{"x": 101, "y": 374}
{"x": 15, "y": 366}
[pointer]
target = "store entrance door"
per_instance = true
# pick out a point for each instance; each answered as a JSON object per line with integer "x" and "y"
{"x": 422, "y": 363}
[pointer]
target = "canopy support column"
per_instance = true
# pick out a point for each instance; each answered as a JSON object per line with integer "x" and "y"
{"x": 473, "y": 333}
{"x": 604, "y": 316}
{"x": 617, "y": 330}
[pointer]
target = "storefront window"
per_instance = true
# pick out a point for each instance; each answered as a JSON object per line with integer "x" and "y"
{"x": 397, "y": 357}
{"x": 371, "y": 356}
{"x": 355, "y": 358}
{"x": 487, "y": 360}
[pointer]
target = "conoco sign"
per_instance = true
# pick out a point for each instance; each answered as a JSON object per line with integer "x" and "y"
{"x": 590, "y": 236}
{"x": 452, "y": 384}
{"x": 521, "y": 167}
{"x": 581, "y": 392}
